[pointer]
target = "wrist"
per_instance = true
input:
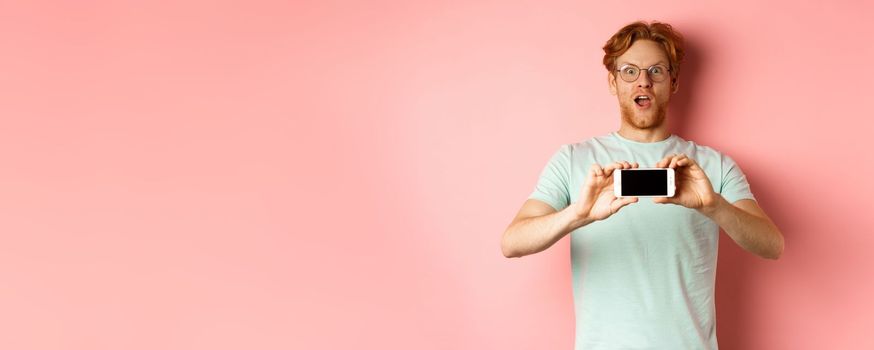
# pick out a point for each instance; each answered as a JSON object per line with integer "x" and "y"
{"x": 714, "y": 207}
{"x": 578, "y": 216}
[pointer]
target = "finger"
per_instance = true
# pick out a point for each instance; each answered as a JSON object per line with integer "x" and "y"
{"x": 596, "y": 170}
{"x": 635, "y": 165}
{"x": 622, "y": 165}
{"x": 676, "y": 159}
{"x": 665, "y": 161}
{"x": 608, "y": 170}
{"x": 628, "y": 200}
{"x": 593, "y": 176}
{"x": 691, "y": 163}
{"x": 664, "y": 200}
{"x": 612, "y": 166}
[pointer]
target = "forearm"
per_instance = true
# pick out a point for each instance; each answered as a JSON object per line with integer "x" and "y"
{"x": 755, "y": 234}
{"x": 536, "y": 234}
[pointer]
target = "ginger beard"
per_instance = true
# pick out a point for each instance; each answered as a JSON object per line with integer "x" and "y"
{"x": 643, "y": 118}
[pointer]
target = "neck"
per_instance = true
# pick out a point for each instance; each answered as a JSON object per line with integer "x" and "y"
{"x": 644, "y": 135}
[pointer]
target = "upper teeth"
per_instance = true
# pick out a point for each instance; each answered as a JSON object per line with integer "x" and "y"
{"x": 642, "y": 97}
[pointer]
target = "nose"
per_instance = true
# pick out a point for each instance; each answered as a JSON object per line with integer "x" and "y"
{"x": 643, "y": 80}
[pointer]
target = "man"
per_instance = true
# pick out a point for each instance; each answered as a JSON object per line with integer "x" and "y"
{"x": 643, "y": 270}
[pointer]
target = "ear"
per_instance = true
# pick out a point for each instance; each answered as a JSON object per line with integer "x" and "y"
{"x": 675, "y": 85}
{"x": 611, "y": 81}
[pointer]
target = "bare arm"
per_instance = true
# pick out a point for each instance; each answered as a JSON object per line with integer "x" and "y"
{"x": 538, "y": 225}
{"x": 744, "y": 221}
{"x": 748, "y": 225}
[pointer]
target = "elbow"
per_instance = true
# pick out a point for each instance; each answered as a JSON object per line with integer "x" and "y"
{"x": 507, "y": 254}
{"x": 778, "y": 249}
{"x": 779, "y": 252}
{"x": 508, "y": 251}
{"x": 507, "y": 248}
{"x": 773, "y": 255}
{"x": 510, "y": 254}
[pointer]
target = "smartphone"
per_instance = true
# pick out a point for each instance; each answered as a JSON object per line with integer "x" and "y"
{"x": 644, "y": 182}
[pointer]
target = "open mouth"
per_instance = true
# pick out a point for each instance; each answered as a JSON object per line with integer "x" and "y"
{"x": 643, "y": 101}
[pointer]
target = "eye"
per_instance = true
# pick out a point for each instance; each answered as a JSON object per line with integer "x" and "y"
{"x": 630, "y": 70}
{"x": 656, "y": 70}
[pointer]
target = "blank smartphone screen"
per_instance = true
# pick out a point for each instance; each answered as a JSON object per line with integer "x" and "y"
{"x": 645, "y": 182}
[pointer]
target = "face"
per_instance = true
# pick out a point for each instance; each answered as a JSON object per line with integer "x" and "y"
{"x": 651, "y": 114}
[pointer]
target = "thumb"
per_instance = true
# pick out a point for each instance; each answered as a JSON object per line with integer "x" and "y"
{"x": 663, "y": 200}
{"x": 621, "y": 202}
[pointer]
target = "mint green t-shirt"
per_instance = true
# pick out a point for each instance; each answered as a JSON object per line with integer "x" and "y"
{"x": 643, "y": 278}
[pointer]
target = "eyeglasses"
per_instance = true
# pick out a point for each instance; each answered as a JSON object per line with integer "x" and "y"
{"x": 630, "y": 72}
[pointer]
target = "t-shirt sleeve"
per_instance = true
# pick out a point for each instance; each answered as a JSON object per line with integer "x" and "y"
{"x": 554, "y": 182}
{"x": 734, "y": 186}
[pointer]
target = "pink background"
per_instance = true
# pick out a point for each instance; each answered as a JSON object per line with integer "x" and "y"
{"x": 240, "y": 175}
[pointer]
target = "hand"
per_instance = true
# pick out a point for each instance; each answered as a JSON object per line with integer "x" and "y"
{"x": 597, "y": 201}
{"x": 694, "y": 189}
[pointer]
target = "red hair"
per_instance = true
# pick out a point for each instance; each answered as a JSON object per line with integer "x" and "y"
{"x": 662, "y": 33}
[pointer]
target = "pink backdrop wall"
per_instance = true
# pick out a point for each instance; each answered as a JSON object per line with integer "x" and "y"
{"x": 329, "y": 175}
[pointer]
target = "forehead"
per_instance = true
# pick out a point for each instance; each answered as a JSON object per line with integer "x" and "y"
{"x": 643, "y": 53}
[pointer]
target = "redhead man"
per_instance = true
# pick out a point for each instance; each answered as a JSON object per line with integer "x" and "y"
{"x": 644, "y": 270}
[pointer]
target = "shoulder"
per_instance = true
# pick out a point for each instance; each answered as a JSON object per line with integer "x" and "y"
{"x": 583, "y": 153}
{"x": 701, "y": 153}
{"x": 592, "y": 144}
{"x": 697, "y": 148}
{"x": 715, "y": 163}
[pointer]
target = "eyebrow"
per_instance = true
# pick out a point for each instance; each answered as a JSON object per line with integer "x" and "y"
{"x": 620, "y": 64}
